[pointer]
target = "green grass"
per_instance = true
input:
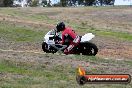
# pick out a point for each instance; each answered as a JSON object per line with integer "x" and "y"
{"x": 118, "y": 35}
{"x": 29, "y": 15}
{"x": 44, "y": 17}
{"x": 107, "y": 33}
{"x": 129, "y": 62}
{"x": 31, "y": 74}
{"x": 16, "y": 74}
{"x": 20, "y": 74}
{"x": 20, "y": 34}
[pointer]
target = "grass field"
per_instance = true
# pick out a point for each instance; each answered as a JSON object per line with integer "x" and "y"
{"x": 23, "y": 64}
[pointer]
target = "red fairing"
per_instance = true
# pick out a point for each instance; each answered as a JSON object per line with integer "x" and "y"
{"x": 68, "y": 31}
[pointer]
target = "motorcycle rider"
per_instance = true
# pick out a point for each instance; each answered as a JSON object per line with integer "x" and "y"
{"x": 69, "y": 37}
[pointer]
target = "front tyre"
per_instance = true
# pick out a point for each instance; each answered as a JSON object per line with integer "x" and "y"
{"x": 45, "y": 47}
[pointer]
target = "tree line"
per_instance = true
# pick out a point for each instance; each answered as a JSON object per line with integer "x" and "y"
{"x": 86, "y": 2}
{"x": 61, "y": 3}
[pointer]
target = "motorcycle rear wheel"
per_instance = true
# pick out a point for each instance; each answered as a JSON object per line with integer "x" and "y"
{"x": 89, "y": 49}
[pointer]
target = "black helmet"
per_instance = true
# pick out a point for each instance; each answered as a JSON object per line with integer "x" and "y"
{"x": 60, "y": 26}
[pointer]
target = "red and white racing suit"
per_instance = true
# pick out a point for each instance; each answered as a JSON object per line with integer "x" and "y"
{"x": 69, "y": 35}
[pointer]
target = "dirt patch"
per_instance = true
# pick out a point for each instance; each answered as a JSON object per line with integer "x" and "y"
{"x": 22, "y": 46}
{"x": 116, "y": 54}
{"x": 113, "y": 48}
{"x": 48, "y": 61}
{"x": 41, "y": 58}
{"x": 115, "y": 19}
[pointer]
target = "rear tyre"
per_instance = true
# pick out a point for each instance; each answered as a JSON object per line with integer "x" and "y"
{"x": 89, "y": 49}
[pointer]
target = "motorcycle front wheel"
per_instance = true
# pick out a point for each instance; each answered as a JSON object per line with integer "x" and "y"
{"x": 45, "y": 47}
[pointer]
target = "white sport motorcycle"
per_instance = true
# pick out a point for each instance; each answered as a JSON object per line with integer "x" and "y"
{"x": 51, "y": 45}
